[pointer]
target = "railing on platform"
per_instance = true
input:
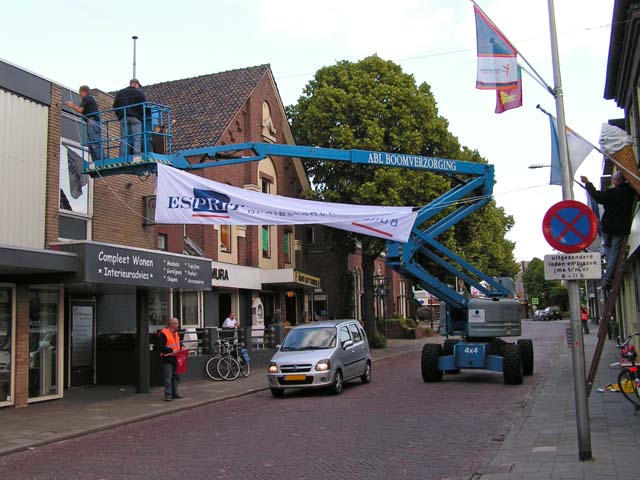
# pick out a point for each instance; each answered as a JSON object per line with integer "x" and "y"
{"x": 116, "y": 143}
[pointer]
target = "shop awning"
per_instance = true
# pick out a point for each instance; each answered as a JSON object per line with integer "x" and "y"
{"x": 290, "y": 278}
{"x": 34, "y": 261}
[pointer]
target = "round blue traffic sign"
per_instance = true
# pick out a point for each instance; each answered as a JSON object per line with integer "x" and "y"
{"x": 570, "y": 226}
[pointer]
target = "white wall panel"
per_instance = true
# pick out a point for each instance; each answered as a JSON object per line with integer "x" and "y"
{"x": 23, "y": 170}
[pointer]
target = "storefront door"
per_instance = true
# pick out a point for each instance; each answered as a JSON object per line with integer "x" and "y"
{"x": 82, "y": 342}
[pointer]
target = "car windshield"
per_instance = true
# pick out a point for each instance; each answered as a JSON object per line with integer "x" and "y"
{"x": 310, "y": 338}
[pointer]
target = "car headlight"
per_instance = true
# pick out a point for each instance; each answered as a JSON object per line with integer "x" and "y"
{"x": 323, "y": 365}
{"x": 273, "y": 368}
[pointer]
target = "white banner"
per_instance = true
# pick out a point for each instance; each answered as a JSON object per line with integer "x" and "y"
{"x": 183, "y": 198}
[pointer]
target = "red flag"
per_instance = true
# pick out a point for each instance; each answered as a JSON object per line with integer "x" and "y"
{"x": 508, "y": 99}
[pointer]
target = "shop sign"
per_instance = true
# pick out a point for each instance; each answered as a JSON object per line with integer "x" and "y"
{"x": 235, "y": 276}
{"x": 125, "y": 266}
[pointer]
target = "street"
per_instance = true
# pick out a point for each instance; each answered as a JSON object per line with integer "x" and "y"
{"x": 397, "y": 427}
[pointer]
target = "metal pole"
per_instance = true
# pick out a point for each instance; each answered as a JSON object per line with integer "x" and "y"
{"x": 577, "y": 348}
{"x": 134, "y": 55}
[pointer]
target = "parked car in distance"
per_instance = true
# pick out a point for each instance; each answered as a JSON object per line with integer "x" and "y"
{"x": 320, "y": 354}
{"x": 553, "y": 313}
{"x": 539, "y": 315}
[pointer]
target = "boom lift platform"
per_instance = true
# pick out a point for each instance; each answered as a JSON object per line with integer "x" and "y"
{"x": 478, "y": 322}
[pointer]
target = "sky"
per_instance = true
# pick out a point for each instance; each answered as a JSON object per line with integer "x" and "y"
{"x": 74, "y": 43}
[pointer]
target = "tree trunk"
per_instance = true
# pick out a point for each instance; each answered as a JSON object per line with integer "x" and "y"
{"x": 367, "y": 281}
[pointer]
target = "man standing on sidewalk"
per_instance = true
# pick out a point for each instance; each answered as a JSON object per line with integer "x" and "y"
{"x": 169, "y": 345}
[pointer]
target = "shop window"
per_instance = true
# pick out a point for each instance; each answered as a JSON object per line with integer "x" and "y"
{"x": 44, "y": 342}
{"x": 288, "y": 240}
{"x": 186, "y": 308}
{"x": 225, "y": 238}
{"x": 6, "y": 342}
{"x": 158, "y": 309}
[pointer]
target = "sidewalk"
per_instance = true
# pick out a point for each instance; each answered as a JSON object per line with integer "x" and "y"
{"x": 543, "y": 442}
{"x": 96, "y": 408}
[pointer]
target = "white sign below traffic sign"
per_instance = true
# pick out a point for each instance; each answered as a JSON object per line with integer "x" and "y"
{"x": 573, "y": 266}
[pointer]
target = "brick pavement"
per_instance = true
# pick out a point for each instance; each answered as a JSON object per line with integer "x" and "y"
{"x": 397, "y": 427}
{"x": 96, "y": 408}
{"x": 543, "y": 444}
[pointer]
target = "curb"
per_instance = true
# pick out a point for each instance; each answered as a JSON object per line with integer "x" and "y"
{"x": 149, "y": 416}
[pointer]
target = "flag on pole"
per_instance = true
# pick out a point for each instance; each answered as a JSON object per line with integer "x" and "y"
{"x": 577, "y": 146}
{"x": 508, "y": 99}
{"x": 497, "y": 64}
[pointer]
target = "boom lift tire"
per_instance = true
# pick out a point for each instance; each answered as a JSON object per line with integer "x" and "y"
{"x": 511, "y": 364}
{"x": 448, "y": 350}
{"x": 526, "y": 353}
{"x": 430, "y": 354}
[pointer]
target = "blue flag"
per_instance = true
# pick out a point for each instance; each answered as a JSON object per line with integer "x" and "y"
{"x": 556, "y": 170}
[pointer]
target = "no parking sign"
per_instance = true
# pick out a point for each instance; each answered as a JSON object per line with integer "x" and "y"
{"x": 570, "y": 226}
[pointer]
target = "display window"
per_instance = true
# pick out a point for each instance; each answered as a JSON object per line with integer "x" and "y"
{"x": 7, "y": 343}
{"x": 45, "y": 343}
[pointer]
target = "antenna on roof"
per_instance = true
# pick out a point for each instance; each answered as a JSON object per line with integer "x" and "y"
{"x": 135, "y": 37}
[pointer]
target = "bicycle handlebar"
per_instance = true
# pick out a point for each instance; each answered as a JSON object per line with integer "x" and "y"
{"x": 626, "y": 342}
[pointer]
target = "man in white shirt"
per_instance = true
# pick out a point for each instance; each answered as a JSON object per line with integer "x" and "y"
{"x": 230, "y": 321}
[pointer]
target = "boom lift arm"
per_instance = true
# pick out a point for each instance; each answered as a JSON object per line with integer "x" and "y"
{"x": 473, "y": 190}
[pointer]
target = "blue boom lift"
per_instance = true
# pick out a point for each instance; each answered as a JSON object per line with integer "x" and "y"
{"x": 478, "y": 322}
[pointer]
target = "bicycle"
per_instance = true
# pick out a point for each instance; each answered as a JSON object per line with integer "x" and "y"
{"x": 242, "y": 356}
{"x": 222, "y": 365}
{"x": 628, "y": 379}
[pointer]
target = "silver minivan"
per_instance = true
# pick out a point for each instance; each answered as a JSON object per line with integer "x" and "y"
{"x": 321, "y": 354}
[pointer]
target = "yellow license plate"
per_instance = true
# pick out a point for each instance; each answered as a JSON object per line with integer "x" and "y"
{"x": 295, "y": 377}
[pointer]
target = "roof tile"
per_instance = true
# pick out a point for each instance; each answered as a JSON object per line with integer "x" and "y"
{"x": 202, "y": 107}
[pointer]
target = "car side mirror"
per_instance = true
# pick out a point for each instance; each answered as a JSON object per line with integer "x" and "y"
{"x": 346, "y": 344}
{"x": 278, "y": 347}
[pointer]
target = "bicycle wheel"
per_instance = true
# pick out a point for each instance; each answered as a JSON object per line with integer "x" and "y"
{"x": 228, "y": 368}
{"x": 245, "y": 367}
{"x": 628, "y": 387}
{"x": 212, "y": 368}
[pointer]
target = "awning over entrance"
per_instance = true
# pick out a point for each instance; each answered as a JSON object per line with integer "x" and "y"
{"x": 290, "y": 278}
{"x": 32, "y": 261}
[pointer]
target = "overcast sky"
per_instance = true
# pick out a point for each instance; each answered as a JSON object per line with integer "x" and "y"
{"x": 74, "y": 43}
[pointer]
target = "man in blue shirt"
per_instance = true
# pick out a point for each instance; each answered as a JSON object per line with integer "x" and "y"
{"x": 130, "y": 117}
{"x": 89, "y": 108}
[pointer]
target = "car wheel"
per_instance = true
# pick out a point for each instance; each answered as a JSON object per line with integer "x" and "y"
{"x": 366, "y": 376}
{"x": 277, "y": 392}
{"x": 338, "y": 383}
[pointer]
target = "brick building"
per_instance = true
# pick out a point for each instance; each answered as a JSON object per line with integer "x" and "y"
{"x": 84, "y": 282}
{"x": 257, "y": 268}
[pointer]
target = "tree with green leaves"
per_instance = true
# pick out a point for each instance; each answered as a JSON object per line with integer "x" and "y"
{"x": 551, "y": 292}
{"x": 373, "y": 105}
